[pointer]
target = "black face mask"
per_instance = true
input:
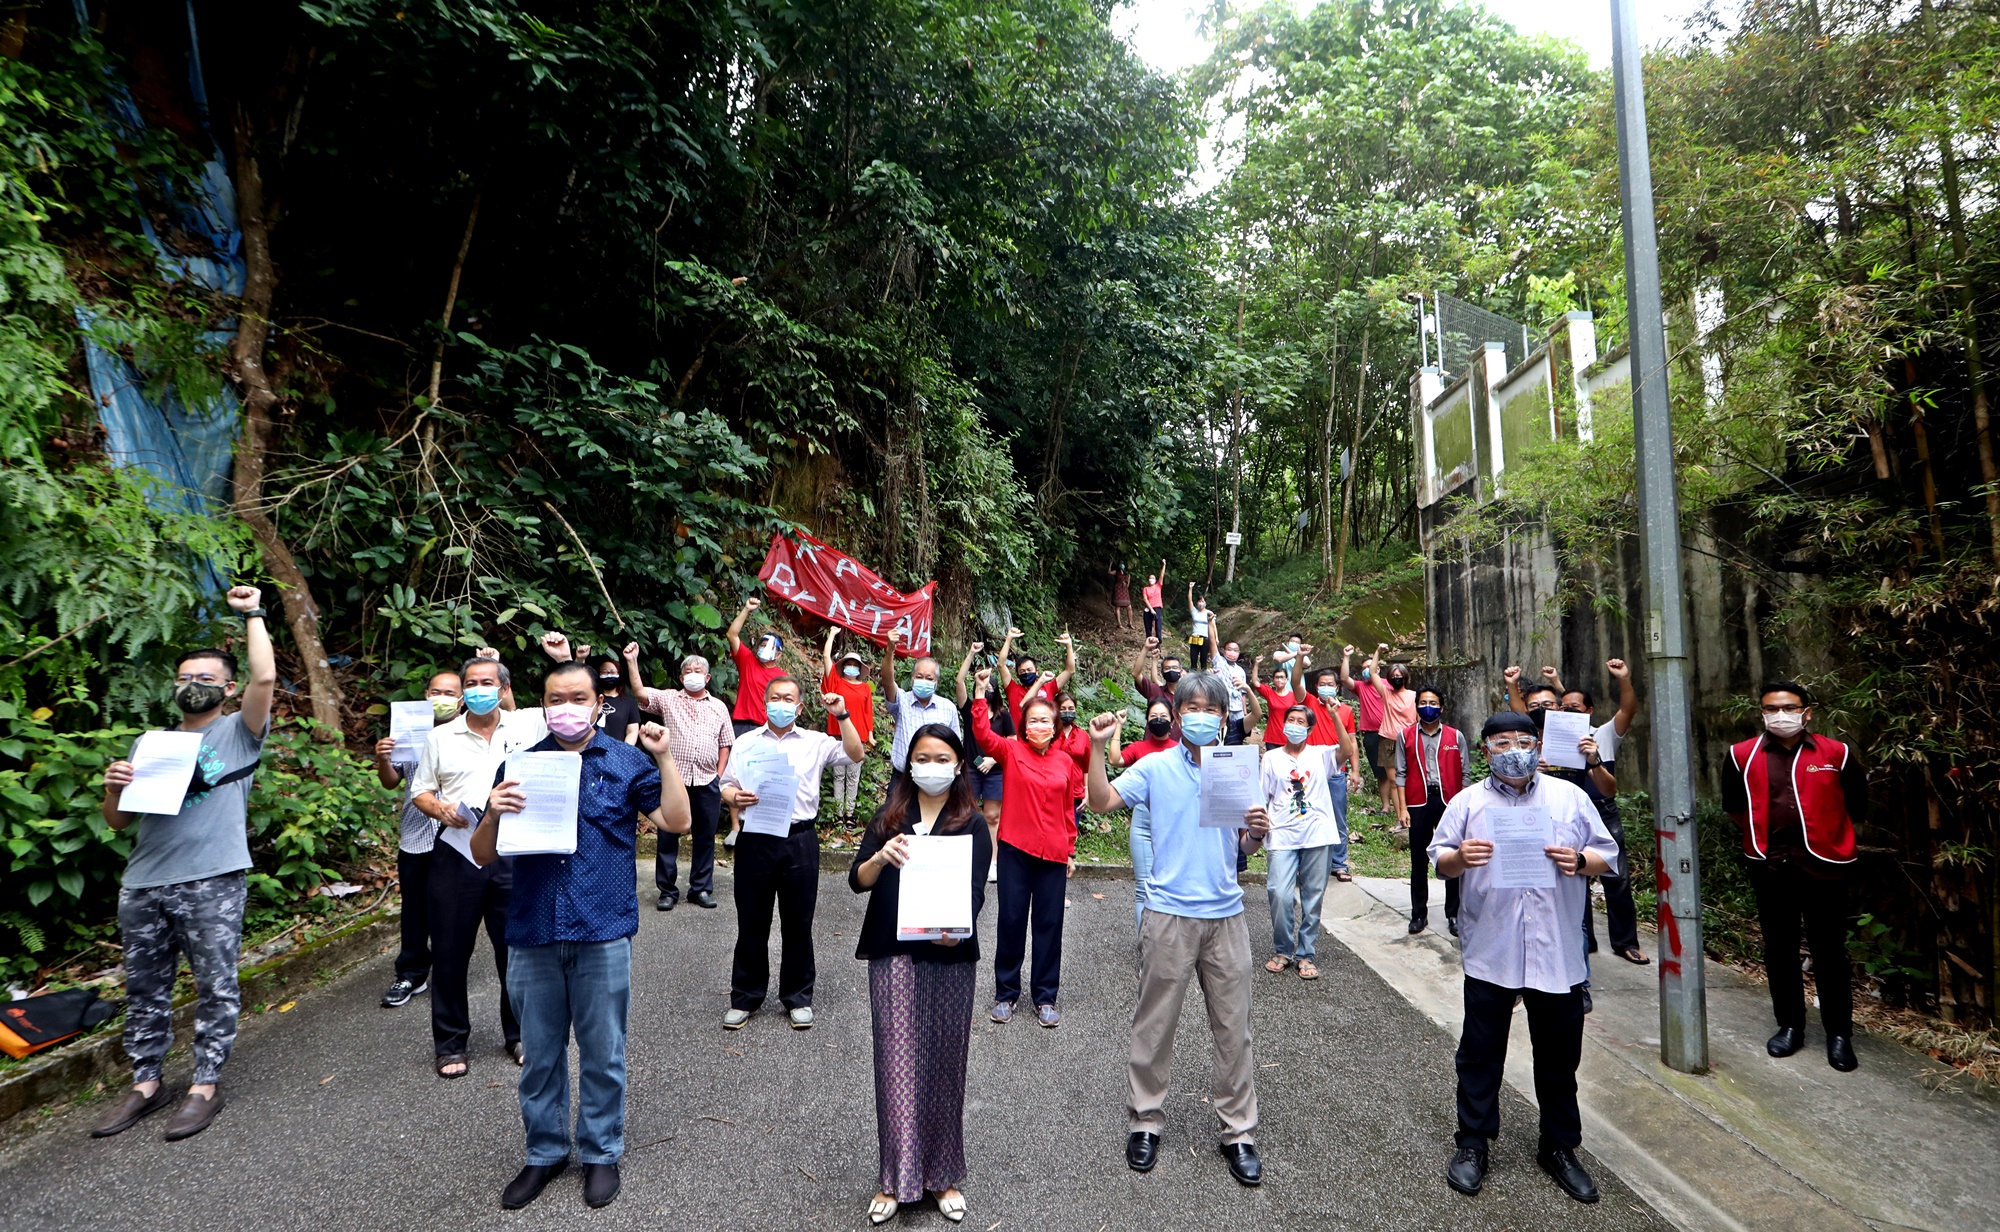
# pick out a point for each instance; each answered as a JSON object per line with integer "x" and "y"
{"x": 1068, "y": 717}
{"x": 1538, "y": 716}
{"x": 194, "y": 697}
{"x": 1171, "y": 677}
{"x": 1395, "y": 682}
{"x": 607, "y": 682}
{"x": 1158, "y": 728}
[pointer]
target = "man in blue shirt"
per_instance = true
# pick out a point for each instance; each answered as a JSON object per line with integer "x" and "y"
{"x": 569, "y": 934}
{"x": 1193, "y": 923}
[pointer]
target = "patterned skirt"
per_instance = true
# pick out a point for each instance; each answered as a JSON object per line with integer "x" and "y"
{"x": 923, "y": 1022}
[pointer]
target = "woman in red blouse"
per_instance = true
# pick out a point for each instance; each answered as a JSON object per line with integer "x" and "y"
{"x": 1037, "y": 838}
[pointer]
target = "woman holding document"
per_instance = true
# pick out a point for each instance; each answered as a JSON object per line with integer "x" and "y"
{"x": 923, "y": 859}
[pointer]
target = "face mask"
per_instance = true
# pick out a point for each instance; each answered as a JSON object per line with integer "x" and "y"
{"x": 1395, "y": 682}
{"x": 1041, "y": 731}
{"x": 1292, "y": 646}
{"x": 1428, "y": 714}
{"x": 934, "y": 778}
{"x": 781, "y": 714}
{"x": 1326, "y": 692}
{"x": 1201, "y": 727}
{"x": 1158, "y": 728}
{"x": 1029, "y": 677}
{"x": 194, "y": 697}
{"x": 1784, "y": 725}
{"x": 851, "y": 671}
{"x": 1365, "y": 673}
{"x": 482, "y": 698}
{"x": 1232, "y": 655}
{"x": 444, "y": 709}
{"x": 1296, "y": 733}
{"x": 571, "y": 721}
{"x": 1171, "y": 676}
{"x": 924, "y": 689}
{"x": 1538, "y": 716}
{"x": 1513, "y": 764}
{"x": 766, "y": 652}
{"x": 695, "y": 682}
{"x": 1068, "y": 717}
{"x": 607, "y": 682}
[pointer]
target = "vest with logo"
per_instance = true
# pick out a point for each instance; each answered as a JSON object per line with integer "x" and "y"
{"x": 1451, "y": 766}
{"x": 1829, "y": 832}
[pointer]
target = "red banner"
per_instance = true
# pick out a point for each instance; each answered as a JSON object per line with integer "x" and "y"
{"x": 829, "y": 583}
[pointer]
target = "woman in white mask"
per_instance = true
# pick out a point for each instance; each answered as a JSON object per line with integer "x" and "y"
{"x": 921, "y": 988}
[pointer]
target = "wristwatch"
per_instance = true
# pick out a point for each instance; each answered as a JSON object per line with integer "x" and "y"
{"x": 258, "y": 612}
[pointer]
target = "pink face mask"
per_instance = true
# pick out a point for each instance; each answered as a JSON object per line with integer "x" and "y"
{"x": 570, "y": 722}
{"x": 1040, "y": 731}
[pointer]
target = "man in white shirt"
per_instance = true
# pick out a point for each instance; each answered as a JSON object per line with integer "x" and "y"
{"x": 1239, "y": 690}
{"x": 914, "y": 707}
{"x": 1517, "y": 923}
{"x": 780, "y": 869}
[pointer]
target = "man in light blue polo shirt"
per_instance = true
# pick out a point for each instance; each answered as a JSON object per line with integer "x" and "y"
{"x": 914, "y": 707}
{"x": 1193, "y": 924}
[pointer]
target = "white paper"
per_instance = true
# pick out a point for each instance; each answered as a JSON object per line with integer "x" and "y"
{"x": 1561, "y": 730}
{"x": 935, "y": 897}
{"x": 1520, "y": 837}
{"x": 771, "y": 778}
{"x": 410, "y": 726}
{"x": 547, "y": 825}
{"x": 1229, "y": 784}
{"x": 162, "y": 766}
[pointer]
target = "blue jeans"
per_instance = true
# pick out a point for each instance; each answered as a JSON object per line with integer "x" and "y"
{"x": 1337, "y": 788}
{"x": 1140, "y": 841}
{"x": 585, "y": 986}
{"x": 1296, "y": 883}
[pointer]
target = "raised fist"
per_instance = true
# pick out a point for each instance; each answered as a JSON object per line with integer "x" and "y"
{"x": 244, "y": 598}
{"x": 1548, "y": 673}
{"x": 1152, "y": 643}
{"x": 831, "y": 700}
{"x": 631, "y": 650}
{"x": 751, "y": 605}
{"x": 555, "y": 646}
{"x": 983, "y": 677}
{"x": 1512, "y": 675}
{"x": 1012, "y": 632}
{"x": 978, "y": 647}
{"x": 1345, "y": 651}
{"x": 1617, "y": 668}
{"x": 1104, "y": 726}
{"x": 896, "y": 638}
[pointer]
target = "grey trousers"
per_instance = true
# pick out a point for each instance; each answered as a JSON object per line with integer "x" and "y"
{"x": 1217, "y": 954}
{"x": 204, "y": 920}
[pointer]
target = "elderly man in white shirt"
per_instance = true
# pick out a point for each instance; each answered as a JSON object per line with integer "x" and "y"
{"x": 1523, "y": 845}
{"x": 780, "y": 870}
{"x": 915, "y": 707}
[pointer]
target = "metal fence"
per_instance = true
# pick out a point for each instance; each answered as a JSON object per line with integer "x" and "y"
{"x": 1461, "y": 330}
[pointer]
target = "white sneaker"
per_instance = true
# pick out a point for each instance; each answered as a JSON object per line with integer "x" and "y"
{"x": 802, "y": 1018}
{"x": 734, "y": 1019}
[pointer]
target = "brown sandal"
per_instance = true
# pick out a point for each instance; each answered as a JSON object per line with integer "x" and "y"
{"x": 1306, "y": 969}
{"x": 1278, "y": 963}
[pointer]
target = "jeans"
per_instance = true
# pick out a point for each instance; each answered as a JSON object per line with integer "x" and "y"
{"x": 1297, "y": 883}
{"x": 1337, "y": 854}
{"x": 1140, "y": 841}
{"x": 1152, "y": 622}
{"x": 705, "y": 803}
{"x": 413, "y": 874}
{"x": 585, "y": 987}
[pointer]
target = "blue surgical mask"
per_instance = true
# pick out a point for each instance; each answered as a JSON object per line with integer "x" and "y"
{"x": 1201, "y": 728}
{"x": 781, "y": 714}
{"x": 924, "y": 689}
{"x": 1326, "y": 692}
{"x": 1514, "y": 763}
{"x": 1364, "y": 673}
{"x": 1296, "y": 733}
{"x": 851, "y": 670}
{"x": 482, "y": 698}
{"x": 1428, "y": 714}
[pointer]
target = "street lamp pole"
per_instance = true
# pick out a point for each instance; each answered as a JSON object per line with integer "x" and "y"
{"x": 1683, "y": 988}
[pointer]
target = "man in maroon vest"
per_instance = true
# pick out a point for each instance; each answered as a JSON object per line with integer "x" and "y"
{"x": 1797, "y": 796}
{"x": 1430, "y": 770}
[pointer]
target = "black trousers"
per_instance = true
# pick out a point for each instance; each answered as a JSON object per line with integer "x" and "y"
{"x": 413, "y": 875}
{"x": 781, "y": 873}
{"x": 1152, "y": 621}
{"x": 463, "y": 897}
{"x": 705, "y": 802}
{"x": 1620, "y": 912}
{"x": 1234, "y": 733}
{"x": 1198, "y": 655}
{"x": 1555, "y": 1026}
{"x": 1423, "y": 825}
{"x": 1032, "y": 891}
{"x": 1791, "y": 903}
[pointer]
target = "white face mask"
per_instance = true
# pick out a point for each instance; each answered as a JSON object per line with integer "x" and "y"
{"x": 1784, "y": 726}
{"x": 933, "y": 777}
{"x": 695, "y": 682}
{"x": 766, "y": 653}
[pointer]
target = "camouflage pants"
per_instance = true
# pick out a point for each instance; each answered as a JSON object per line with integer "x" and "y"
{"x": 204, "y": 920}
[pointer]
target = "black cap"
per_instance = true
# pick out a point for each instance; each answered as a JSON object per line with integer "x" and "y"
{"x": 1508, "y": 721}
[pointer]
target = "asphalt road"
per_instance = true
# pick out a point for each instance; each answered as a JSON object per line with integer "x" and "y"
{"x": 335, "y": 1120}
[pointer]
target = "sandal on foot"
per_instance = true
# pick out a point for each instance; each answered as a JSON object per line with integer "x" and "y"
{"x": 519, "y": 1054}
{"x": 1635, "y": 956}
{"x": 951, "y": 1204}
{"x": 1342, "y": 875}
{"x": 1306, "y": 969}
{"x": 881, "y": 1209}
{"x": 1278, "y": 963}
{"x": 453, "y": 1058}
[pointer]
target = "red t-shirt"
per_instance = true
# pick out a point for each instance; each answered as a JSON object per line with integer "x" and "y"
{"x": 1038, "y": 811}
{"x": 1371, "y": 703}
{"x": 1151, "y": 594}
{"x": 860, "y": 698}
{"x": 1276, "y": 703}
{"x": 1322, "y": 730}
{"x": 1135, "y": 753}
{"x": 752, "y": 678}
{"x": 1017, "y": 695}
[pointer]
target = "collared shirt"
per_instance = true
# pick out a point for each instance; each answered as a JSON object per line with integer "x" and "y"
{"x": 1038, "y": 811}
{"x": 458, "y": 764}
{"x": 698, "y": 729}
{"x": 906, "y": 714}
{"x": 419, "y": 831}
{"x": 1194, "y": 868}
{"x": 808, "y": 753}
{"x": 591, "y": 895}
{"x": 1239, "y": 684}
{"x": 1785, "y": 828}
{"x": 1427, "y": 753}
{"x": 1523, "y": 938}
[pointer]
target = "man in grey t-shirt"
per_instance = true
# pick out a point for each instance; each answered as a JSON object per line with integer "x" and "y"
{"x": 185, "y": 885}
{"x": 393, "y": 768}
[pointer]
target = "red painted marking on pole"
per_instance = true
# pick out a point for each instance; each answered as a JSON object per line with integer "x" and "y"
{"x": 1669, "y": 966}
{"x": 1668, "y": 924}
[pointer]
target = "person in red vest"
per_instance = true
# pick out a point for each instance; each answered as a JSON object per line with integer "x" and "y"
{"x": 1796, "y": 797}
{"x": 1438, "y": 752}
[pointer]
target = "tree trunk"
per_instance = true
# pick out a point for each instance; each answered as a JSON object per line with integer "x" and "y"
{"x": 1326, "y": 460}
{"x": 1353, "y": 466}
{"x": 259, "y": 398}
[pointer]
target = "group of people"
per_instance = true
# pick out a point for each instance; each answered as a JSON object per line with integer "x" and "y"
{"x": 1011, "y": 766}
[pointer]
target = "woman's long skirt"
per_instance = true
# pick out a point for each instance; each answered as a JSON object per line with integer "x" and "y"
{"x": 923, "y": 1022}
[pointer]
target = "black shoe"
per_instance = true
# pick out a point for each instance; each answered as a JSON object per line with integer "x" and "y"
{"x": 1418, "y": 923}
{"x": 703, "y": 899}
{"x": 1451, "y": 922}
{"x": 1243, "y": 1163}
{"x": 1560, "y": 1163}
{"x": 1787, "y": 1041}
{"x": 1840, "y": 1053}
{"x": 600, "y": 1184}
{"x": 666, "y": 902}
{"x": 528, "y": 1184}
{"x": 402, "y": 990}
{"x": 1142, "y": 1150}
{"x": 1587, "y": 1005}
{"x": 1467, "y": 1171}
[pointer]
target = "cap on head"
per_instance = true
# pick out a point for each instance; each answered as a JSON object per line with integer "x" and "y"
{"x": 1507, "y": 721}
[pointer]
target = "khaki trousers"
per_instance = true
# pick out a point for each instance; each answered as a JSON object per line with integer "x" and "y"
{"x": 1216, "y": 953}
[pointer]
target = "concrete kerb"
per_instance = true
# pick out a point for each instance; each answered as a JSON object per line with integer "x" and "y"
{"x": 69, "y": 1070}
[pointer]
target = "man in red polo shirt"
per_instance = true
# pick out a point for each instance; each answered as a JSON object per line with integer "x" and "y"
{"x": 1025, "y": 680}
{"x": 1369, "y": 701}
{"x": 1796, "y": 797}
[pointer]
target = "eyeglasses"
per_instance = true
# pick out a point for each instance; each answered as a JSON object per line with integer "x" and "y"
{"x": 199, "y": 678}
{"x": 1501, "y": 744}
{"x": 1784, "y": 710}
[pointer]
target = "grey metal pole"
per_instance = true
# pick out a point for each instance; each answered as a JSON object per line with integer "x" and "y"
{"x": 1683, "y": 989}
